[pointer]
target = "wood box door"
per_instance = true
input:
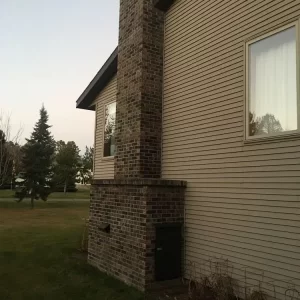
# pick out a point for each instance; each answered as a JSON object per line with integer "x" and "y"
{"x": 168, "y": 252}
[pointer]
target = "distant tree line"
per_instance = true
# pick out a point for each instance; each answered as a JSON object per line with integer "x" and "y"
{"x": 42, "y": 165}
{"x": 9, "y": 152}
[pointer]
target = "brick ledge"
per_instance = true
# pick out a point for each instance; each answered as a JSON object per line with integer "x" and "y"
{"x": 142, "y": 181}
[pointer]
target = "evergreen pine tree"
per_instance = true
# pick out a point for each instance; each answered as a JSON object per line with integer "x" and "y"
{"x": 66, "y": 165}
{"x": 37, "y": 160}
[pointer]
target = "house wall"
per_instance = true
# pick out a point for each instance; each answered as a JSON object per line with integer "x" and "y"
{"x": 242, "y": 199}
{"x": 103, "y": 167}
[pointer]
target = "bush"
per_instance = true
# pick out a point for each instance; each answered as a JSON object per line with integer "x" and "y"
{"x": 6, "y": 186}
{"x": 216, "y": 285}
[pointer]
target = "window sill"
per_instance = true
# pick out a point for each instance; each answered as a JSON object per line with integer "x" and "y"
{"x": 273, "y": 138}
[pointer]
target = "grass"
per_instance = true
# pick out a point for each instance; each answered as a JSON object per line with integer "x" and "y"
{"x": 83, "y": 193}
{"x": 6, "y": 194}
{"x": 80, "y": 194}
{"x": 39, "y": 257}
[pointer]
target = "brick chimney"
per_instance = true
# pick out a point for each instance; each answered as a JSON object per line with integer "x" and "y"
{"x": 139, "y": 99}
{"x": 128, "y": 212}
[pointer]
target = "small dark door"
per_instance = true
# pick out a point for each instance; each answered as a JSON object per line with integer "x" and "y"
{"x": 168, "y": 250}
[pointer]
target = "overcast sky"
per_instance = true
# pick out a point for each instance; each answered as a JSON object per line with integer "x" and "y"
{"x": 49, "y": 52}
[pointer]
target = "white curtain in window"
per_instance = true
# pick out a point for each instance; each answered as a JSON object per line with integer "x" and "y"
{"x": 273, "y": 85}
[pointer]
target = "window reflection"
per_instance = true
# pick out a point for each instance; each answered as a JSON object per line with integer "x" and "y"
{"x": 109, "y": 130}
{"x": 272, "y": 84}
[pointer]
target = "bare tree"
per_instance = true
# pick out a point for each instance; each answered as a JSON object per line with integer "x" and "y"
{"x": 268, "y": 124}
{"x": 8, "y": 141}
{"x": 264, "y": 125}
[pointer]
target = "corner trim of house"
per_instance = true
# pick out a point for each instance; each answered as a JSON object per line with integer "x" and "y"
{"x": 163, "y": 5}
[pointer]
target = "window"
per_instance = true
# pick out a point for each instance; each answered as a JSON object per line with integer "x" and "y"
{"x": 271, "y": 88}
{"x": 109, "y": 130}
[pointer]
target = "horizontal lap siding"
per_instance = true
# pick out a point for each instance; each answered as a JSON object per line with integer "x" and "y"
{"x": 242, "y": 200}
{"x": 104, "y": 167}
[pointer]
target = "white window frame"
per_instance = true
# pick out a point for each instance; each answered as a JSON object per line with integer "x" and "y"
{"x": 103, "y": 128}
{"x": 284, "y": 134}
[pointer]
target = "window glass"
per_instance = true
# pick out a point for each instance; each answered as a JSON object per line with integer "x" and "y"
{"x": 272, "y": 102}
{"x": 109, "y": 130}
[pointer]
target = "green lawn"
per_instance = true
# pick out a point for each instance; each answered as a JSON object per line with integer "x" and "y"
{"x": 80, "y": 194}
{"x": 6, "y": 194}
{"x": 39, "y": 257}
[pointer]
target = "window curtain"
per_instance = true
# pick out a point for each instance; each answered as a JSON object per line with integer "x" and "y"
{"x": 273, "y": 85}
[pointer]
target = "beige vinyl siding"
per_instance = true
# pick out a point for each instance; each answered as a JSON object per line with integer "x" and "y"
{"x": 104, "y": 167}
{"x": 242, "y": 199}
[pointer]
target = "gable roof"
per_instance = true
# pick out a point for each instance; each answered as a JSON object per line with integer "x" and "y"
{"x": 108, "y": 70}
{"x": 105, "y": 74}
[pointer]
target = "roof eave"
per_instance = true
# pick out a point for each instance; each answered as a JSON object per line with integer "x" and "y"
{"x": 163, "y": 5}
{"x": 108, "y": 70}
